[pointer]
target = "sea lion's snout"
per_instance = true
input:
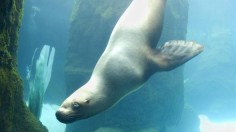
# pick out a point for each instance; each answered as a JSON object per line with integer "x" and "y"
{"x": 59, "y": 116}
{"x": 63, "y": 117}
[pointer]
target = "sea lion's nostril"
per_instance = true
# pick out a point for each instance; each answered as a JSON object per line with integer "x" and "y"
{"x": 62, "y": 118}
{"x": 57, "y": 114}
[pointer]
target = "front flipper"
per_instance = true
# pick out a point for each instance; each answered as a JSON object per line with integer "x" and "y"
{"x": 175, "y": 53}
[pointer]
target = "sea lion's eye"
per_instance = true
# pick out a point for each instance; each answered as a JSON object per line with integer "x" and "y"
{"x": 75, "y": 106}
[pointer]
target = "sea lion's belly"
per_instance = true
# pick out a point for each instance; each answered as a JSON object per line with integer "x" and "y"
{"x": 124, "y": 68}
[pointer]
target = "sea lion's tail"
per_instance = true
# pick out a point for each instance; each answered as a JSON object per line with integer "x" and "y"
{"x": 175, "y": 53}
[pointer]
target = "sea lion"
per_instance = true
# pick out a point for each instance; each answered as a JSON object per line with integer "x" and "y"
{"x": 128, "y": 61}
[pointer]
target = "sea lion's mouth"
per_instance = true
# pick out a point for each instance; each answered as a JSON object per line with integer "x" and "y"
{"x": 66, "y": 118}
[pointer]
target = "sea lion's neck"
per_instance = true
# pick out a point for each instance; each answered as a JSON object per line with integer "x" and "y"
{"x": 104, "y": 91}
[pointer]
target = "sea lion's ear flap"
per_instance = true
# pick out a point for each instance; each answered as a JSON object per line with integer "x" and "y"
{"x": 174, "y": 53}
{"x": 87, "y": 101}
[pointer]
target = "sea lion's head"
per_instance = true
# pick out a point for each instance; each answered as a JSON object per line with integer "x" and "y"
{"x": 81, "y": 104}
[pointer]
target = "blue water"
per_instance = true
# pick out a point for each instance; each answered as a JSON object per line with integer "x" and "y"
{"x": 49, "y": 25}
{"x": 209, "y": 79}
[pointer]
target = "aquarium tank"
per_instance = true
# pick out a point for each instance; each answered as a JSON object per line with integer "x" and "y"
{"x": 49, "y": 49}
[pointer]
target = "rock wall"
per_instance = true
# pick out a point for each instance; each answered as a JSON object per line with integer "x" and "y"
{"x": 14, "y": 115}
{"x": 154, "y": 107}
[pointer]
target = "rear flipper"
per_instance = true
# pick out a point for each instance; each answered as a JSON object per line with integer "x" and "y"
{"x": 175, "y": 53}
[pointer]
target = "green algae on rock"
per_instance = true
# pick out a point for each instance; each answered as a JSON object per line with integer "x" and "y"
{"x": 14, "y": 115}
